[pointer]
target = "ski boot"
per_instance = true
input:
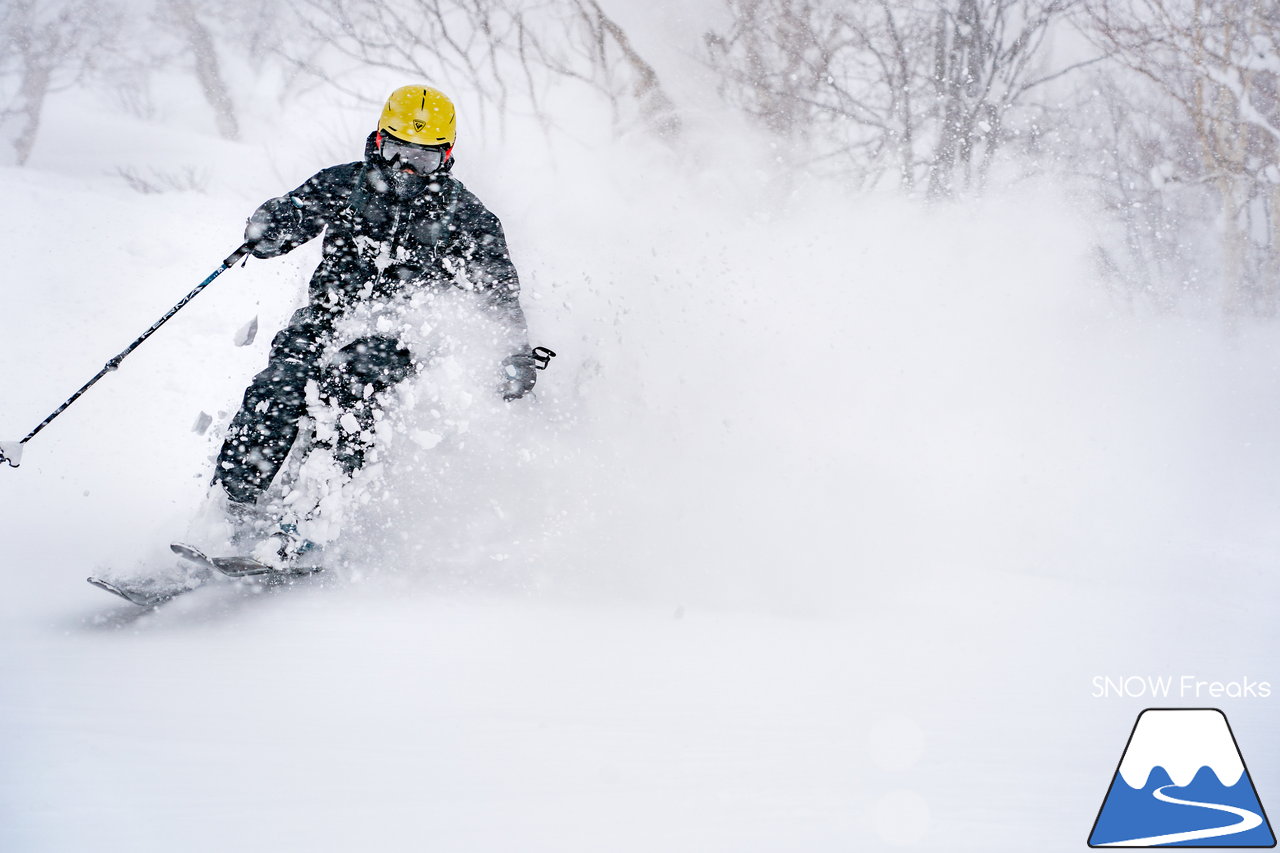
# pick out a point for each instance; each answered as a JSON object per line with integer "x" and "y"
{"x": 286, "y": 548}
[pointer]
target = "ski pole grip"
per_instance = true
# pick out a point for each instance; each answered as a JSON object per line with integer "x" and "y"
{"x": 239, "y": 253}
{"x": 542, "y": 357}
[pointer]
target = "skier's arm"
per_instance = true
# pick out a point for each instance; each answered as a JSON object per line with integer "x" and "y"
{"x": 282, "y": 224}
{"x": 495, "y": 276}
{"x": 501, "y": 285}
{"x": 492, "y": 274}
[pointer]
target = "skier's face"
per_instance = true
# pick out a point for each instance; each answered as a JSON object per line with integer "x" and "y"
{"x": 419, "y": 159}
{"x": 406, "y": 184}
{"x": 410, "y": 165}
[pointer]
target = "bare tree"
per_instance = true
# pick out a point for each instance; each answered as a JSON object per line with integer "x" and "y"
{"x": 799, "y": 68}
{"x": 44, "y": 46}
{"x": 986, "y": 56}
{"x": 927, "y": 87}
{"x": 1212, "y": 65}
{"x": 164, "y": 39}
{"x": 464, "y": 43}
{"x": 606, "y": 60}
{"x": 494, "y": 47}
{"x": 1123, "y": 143}
{"x": 199, "y": 42}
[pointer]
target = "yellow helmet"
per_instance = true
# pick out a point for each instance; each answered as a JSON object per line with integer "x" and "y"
{"x": 420, "y": 114}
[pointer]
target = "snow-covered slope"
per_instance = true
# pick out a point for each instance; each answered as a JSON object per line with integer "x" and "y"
{"x": 817, "y": 530}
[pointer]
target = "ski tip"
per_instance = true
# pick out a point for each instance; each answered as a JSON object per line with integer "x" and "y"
{"x": 117, "y": 591}
{"x": 187, "y": 552}
{"x": 152, "y": 598}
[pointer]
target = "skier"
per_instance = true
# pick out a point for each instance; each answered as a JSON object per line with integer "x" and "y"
{"x": 395, "y": 224}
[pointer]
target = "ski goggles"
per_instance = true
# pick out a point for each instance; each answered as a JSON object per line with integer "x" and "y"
{"x": 410, "y": 157}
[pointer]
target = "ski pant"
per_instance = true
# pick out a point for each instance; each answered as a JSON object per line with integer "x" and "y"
{"x": 265, "y": 428}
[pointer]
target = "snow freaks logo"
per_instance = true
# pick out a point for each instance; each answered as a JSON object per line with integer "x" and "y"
{"x": 1181, "y": 783}
{"x": 1186, "y": 687}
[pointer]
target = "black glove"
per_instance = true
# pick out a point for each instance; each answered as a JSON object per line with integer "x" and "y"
{"x": 265, "y": 231}
{"x": 518, "y": 375}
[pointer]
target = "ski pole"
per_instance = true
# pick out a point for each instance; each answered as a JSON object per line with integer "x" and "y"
{"x": 11, "y": 451}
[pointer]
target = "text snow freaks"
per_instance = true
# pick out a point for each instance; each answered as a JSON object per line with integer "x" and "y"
{"x": 1176, "y": 687}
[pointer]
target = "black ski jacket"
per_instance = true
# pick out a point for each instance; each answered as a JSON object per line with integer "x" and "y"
{"x": 378, "y": 246}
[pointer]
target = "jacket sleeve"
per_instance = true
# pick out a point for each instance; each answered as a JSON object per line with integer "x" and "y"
{"x": 482, "y": 262}
{"x": 282, "y": 224}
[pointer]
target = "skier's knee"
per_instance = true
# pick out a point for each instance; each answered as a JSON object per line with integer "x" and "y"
{"x": 367, "y": 366}
{"x": 238, "y": 489}
{"x": 302, "y": 343}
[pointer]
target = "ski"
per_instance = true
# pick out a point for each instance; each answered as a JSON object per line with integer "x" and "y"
{"x": 140, "y": 597}
{"x": 194, "y": 555}
{"x": 248, "y": 567}
{"x": 230, "y": 567}
{"x": 242, "y": 567}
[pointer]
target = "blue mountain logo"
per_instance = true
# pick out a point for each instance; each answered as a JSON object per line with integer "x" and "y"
{"x": 1182, "y": 782}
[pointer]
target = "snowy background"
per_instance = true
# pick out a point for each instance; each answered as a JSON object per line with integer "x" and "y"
{"x": 814, "y": 536}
